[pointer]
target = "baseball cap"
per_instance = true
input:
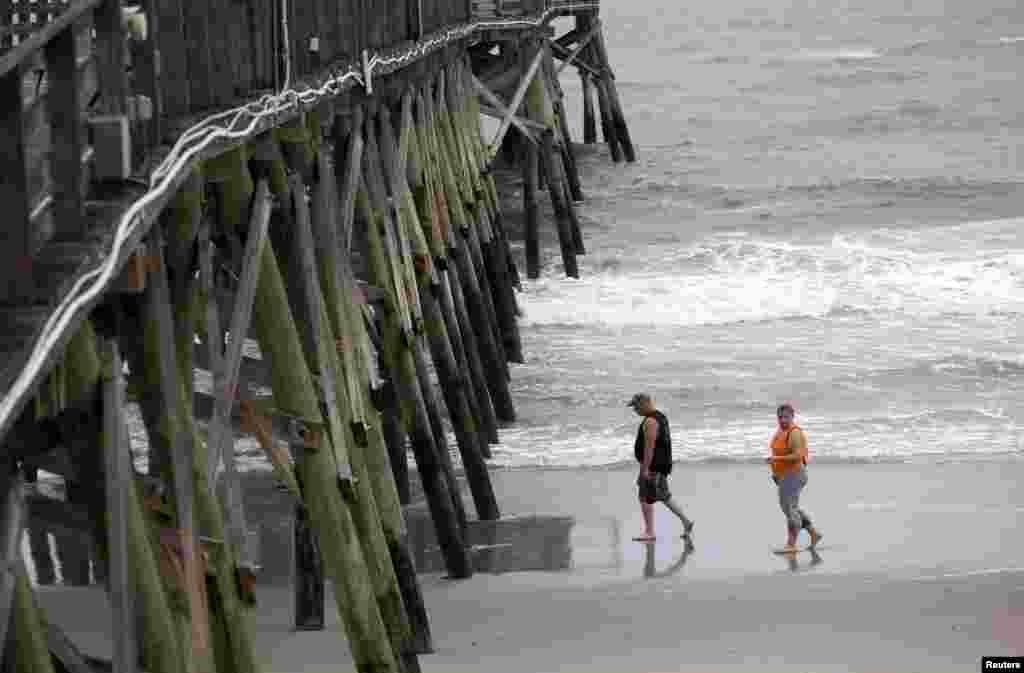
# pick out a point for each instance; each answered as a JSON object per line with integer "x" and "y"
{"x": 637, "y": 399}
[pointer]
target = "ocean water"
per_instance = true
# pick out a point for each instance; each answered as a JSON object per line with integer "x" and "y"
{"x": 827, "y": 208}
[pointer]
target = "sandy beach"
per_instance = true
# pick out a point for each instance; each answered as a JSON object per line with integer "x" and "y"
{"x": 919, "y": 571}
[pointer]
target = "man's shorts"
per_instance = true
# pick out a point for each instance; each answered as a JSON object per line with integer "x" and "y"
{"x": 654, "y": 489}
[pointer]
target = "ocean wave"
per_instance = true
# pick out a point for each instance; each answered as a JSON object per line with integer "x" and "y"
{"x": 925, "y": 187}
{"x": 852, "y": 460}
{"x": 723, "y": 279}
{"x": 839, "y": 55}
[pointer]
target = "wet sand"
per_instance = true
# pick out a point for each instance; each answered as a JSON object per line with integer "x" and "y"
{"x": 921, "y": 569}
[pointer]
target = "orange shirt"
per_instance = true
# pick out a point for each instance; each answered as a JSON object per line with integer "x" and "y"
{"x": 781, "y": 443}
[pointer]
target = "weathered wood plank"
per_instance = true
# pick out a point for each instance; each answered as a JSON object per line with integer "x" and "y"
{"x": 65, "y": 129}
{"x": 15, "y": 236}
{"x": 110, "y": 57}
{"x": 12, "y": 522}
{"x": 172, "y": 50}
{"x": 117, "y": 473}
{"x": 159, "y": 299}
{"x": 517, "y": 99}
{"x": 199, "y": 55}
{"x": 225, "y": 48}
{"x": 498, "y": 110}
{"x": 220, "y": 447}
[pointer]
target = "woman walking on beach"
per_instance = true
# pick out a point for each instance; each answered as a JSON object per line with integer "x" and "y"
{"x": 789, "y": 471}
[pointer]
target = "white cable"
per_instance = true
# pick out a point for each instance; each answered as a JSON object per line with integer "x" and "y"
{"x": 190, "y": 144}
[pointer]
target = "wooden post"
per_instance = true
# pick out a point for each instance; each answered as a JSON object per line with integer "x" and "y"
{"x": 221, "y": 444}
{"x": 109, "y": 53}
{"x": 589, "y": 123}
{"x": 308, "y": 587}
{"x": 199, "y": 38}
{"x": 159, "y": 642}
{"x": 13, "y": 518}
{"x": 226, "y": 376}
{"x": 592, "y": 59}
{"x": 118, "y": 475}
{"x": 407, "y": 220}
{"x": 564, "y": 159}
{"x": 294, "y": 394}
{"x": 562, "y": 127}
{"x": 335, "y": 401}
{"x": 398, "y": 354}
{"x": 395, "y": 439}
{"x": 539, "y": 109}
{"x": 453, "y": 295}
{"x": 351, "y": 333}
{"x": 490, "y": 295}
{"x": 566, "y": 240}
{"x": 181, "y": 458}
{"x": 63, "y": 107}
{"x": 16, "y": 276}
{"x": 461, "y": 252}
{"x": 532, "y": 234}
{"x": 168, "y": 34}
{"x": 432, "y": 204}
{"x": 618, "y": 118}
{"x": 453, "y": 385}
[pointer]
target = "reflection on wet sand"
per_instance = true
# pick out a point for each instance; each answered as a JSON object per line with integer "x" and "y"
{"x": 793, "y": 560}
{"x": 651, "y": 573}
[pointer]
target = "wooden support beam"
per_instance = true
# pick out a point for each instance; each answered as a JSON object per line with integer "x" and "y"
{"x": 498, "y": 110}
{"x": 62, "y": 104}
{"x": 618, "y": 118}
{"x": 589, "y": 122}
{"x": 110, "y": 56}
{"x": 349, "y": 179}
{"x": 168, "y": 36}
{"x": 569, "y": 38}
{"x": 568, "y": 60}
{"x": 231, "y": 493}
{"x": 572, "y": 57}
{"x": 531, "y": 210}
{"x": 403, "y": 370}
{"x": 226, "y": 386}
{"x": 517, "y": 100}
{"x": 12, "y": 523}
{"x": 199, "y": 649}
{"x": 16, "y": 280}
{"x": 117, "y": 474}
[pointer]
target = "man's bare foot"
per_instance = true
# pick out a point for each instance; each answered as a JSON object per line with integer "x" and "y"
{"x": 645, "y": 538}
{"x": 815, "y": 537}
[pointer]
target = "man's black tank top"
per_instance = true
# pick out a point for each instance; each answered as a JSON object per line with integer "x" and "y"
{"x": 662, "y": 461}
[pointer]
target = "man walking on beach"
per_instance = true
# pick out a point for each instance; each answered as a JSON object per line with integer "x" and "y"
{"x": 653, "y": 450}
{"x": 789, "y": 471}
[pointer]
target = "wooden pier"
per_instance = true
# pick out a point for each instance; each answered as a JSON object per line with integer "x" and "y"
{"x": 182, "y": 176}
